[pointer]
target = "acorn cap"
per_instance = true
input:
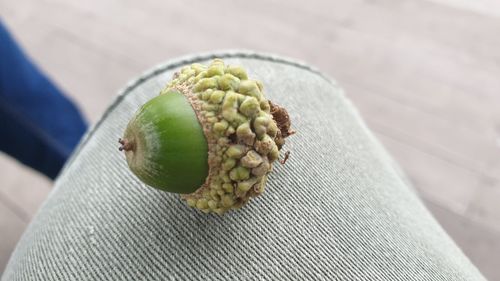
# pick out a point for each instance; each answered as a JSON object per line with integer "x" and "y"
{"x": 210, "y": 135}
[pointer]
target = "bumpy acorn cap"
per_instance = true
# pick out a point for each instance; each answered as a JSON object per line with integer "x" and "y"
{"x": 243, "y": 134}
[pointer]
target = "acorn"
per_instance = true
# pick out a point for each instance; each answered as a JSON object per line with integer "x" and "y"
{"x": 211, "y": 136}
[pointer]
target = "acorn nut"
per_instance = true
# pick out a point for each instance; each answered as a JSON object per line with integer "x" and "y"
{"x": 210, "y": 135}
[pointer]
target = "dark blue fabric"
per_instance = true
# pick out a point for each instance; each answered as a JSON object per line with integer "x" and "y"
{"x": 39, "y": 126}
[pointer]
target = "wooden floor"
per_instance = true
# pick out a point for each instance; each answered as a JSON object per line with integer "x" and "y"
{"x": 424, "y": 73}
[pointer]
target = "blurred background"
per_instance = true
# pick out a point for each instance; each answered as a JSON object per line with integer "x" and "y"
{"x": 425, "y": 74}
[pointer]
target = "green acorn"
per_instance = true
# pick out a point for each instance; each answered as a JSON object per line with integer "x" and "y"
{"x": 210, "y": 135}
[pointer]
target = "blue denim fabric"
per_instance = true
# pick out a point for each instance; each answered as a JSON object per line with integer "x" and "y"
{"x": 39, "y": 126}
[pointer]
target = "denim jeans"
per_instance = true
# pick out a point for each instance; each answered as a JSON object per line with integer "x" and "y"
{"x": 39, "y": 126}
{"x": 339, "y": 209}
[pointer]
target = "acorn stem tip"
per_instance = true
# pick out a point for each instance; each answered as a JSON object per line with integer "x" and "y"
{"x": 125, "y": 145}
